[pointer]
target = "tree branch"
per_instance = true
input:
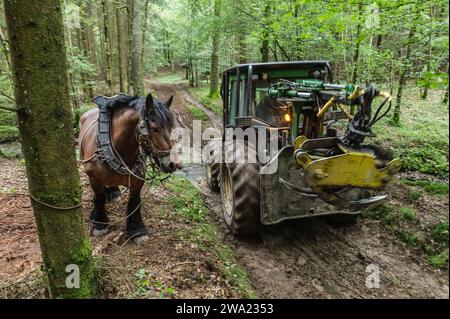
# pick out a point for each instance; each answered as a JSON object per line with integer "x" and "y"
{"x": 7, "y": 96}
{"x": 11, "y": 109}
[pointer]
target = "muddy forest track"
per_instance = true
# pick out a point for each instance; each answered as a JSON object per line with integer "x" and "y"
{"x": 316, "y": 258}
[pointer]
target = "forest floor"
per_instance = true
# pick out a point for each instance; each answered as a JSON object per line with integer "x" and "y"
{"x": 191, "y": 253}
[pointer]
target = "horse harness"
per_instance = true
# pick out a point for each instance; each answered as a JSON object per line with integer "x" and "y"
{"x": 105, "y": 148}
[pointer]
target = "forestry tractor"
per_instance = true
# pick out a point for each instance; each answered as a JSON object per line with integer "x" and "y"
{"x": 321, "y": 165}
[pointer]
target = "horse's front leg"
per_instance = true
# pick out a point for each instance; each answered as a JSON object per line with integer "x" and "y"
{"x": 98, "y": 214}
{"x": 135, "y": 226}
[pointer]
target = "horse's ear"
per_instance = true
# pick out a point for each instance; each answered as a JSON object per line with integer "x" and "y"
{"x": 169, "y": 101}
{"x": 149, "y": 104}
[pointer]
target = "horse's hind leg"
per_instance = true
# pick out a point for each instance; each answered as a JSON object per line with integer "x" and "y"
{"x": 135, "y": 226}
{"x": 98, "y": 214}
{"x": 112, "y": 194}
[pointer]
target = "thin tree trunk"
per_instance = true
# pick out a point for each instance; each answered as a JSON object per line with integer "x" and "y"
{"x": 405, "y": 67}
{"x": 356, "y": 56}
{"x": 90, "y": 34}
{"x": 83, "y": 37}
{"x": 214, "y": 73}
{"x": 266, "y": 33}
{"x": 122, "y": 44}
{"x": 445, "y": 99}
{"x": 430, "y": 55}
{"x": 107, "y": 47}
{"x": 137, "y": 79}
{"x": 73, "y": 85}
{"x": 45, "y": 123}
{"x": 242, "y": 53}
{"x": 144, "y": 30}
{"x": 428, "y": 67}
{"x": 5, "y": 51}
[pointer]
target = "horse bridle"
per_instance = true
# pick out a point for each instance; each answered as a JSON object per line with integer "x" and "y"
{"x": 145, "y": 142}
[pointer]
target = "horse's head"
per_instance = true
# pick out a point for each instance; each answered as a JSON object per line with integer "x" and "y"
{"x": 154, "y": 133}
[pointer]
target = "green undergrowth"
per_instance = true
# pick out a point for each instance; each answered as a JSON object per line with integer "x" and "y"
{"x": 9, "y": 134}
{"x": 77, "y": 113}
{"x": 198, "y": 114}
{"x": 187, "y": 201}
{"x": 170, "y": 78}
{"x": 201, "y": 94}
{"x": 405, "y": 223}
{"x": 421, "y": 139}
{"x": 433, "y": 188}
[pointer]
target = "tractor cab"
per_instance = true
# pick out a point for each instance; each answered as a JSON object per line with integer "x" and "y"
{"x": 264, "y": 94}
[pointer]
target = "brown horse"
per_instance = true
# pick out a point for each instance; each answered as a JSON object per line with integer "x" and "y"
{"x": 128, "y": 141}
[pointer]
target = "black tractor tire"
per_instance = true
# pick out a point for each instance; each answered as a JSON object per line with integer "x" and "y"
{"x": 240, "y": 193}
{"x": 212, "y": 176}
{"x": 212, "y": 159}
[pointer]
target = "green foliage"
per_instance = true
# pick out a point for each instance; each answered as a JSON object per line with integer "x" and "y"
{"x": 187, "y": 201}
{"x": 404, "y": 223}
{"x": 170, "y": 78}
{"x": 197, "y": 113}
{"x": 440, "y": 232}
{"x": 415, "y": 195}
{"x": 201, "y": 95}
{"x": 77, "y": 113}
{"x": 429, "y": 187}
{"x": 407, "y": 213}
{"x": 8, "y": 118}
{"x": 421, "y": 141}
{"x": 439, "y": 260}
{"x": 149, "y": 286}
{"x": 9, "y": 134}
{"x": 434, "y": 80}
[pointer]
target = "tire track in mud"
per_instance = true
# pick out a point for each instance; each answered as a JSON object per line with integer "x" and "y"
{"x": 315, "y": 258}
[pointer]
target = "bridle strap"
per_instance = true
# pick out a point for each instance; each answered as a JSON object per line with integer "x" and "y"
{"x": 144, "y": 135}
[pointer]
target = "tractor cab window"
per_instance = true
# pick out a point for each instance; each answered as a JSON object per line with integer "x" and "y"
{"x": 237, "y": 100}
{"x": 266, "y": 108}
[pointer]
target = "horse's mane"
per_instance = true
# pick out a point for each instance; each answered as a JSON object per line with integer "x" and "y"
{"x": 162, "y": 115}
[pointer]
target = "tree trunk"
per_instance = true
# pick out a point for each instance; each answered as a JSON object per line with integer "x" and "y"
{"x": 5, "y": 52}
{"x": 36, "y": 32}
{"x": 122, "y": 44}
{"x": 428, "y": 66}
{"x": 214, "y": 83}
{"x": 445, "y": 99}
{"x": 107, "y": 47}
{"x": 266, "y": 33}
{"x": 241, "y": 33}
{"x": 85, "y": 47}
{"x": 144, "y": 30}
{"x": 137, "y": 79}
{"x": 356, "y": 56}
{"x": 405, "y": 67}
{"x": 90, "y": 34}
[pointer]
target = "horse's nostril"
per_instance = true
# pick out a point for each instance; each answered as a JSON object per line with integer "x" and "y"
{"x": 172, "y": 166}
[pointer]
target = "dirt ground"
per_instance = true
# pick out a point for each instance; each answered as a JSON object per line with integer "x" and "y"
{"x": 297, "y": 259}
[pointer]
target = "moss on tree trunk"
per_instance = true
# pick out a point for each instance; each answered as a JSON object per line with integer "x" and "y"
{"x": 36, "y": 33}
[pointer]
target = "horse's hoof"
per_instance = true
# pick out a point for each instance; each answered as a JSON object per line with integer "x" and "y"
{"x": 141, "y": 240}
{"x": 99, "y": 232}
